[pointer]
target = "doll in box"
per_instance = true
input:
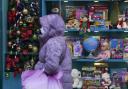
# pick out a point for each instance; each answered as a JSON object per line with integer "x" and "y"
{"x": 116, "y": 48}
{"x": 84, "y": 24}
{"x": 125, "y": 52}
{"x": 105, "y": 52}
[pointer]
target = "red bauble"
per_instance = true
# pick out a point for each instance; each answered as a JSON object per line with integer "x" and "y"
{"x": 16, "y": 59}
{"x": 25, "y": 52}
{"x": 29, "y": 32}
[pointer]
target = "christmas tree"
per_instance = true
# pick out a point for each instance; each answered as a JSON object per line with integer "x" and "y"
{"x": 23, "y": 29}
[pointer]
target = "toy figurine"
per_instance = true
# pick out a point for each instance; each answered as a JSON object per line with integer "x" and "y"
{"x": 106, "y": 82}
{"x": 119, "y": 23}
{"x": 77, "y": 82}
{"x": 105, "y": 52}
{"x": 69, "y": 24}
{"x": 122, "y": 23}
{"x": 84, "y": 24}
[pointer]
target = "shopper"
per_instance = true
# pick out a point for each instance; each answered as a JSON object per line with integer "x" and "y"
{"x": 54, "y": 54}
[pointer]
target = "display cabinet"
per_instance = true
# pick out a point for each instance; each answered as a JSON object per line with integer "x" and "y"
{"x": 97, "y": 42}
{"x": 90, "y": 25}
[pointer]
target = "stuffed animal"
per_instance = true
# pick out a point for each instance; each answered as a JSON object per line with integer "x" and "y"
{"x": 69, "y": 24}
{"x": 84, "y": 24}
{"x": 73, "y": 24}
{"x": 76, "y": 24}
{"x": 106, "y": 82}
{"x": 77, "y": 81}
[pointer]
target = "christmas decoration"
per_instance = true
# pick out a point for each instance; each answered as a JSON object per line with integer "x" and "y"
{"x": 22, "y": 35}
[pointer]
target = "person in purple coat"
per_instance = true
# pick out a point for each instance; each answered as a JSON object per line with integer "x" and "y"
{"x": 54, "y": 54}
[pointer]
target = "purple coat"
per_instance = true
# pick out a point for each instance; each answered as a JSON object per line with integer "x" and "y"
{"x": 54, "y": 54}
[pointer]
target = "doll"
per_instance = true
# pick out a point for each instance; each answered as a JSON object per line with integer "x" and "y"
{"x": 105, "y": 52}
{"x": 84, "y": 24}
{"x": 124, "y": 24}
{"x": 69, "y": 24}
{"x": 119, "y": 23}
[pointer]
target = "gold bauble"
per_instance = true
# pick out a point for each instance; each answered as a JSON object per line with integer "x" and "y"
{"x": 25, "y": 11}
{"x": 35, "y": 49}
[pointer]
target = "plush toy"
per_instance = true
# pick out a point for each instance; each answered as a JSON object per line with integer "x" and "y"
{"x": 76, "y": 24}
{"x": 105, "y": 52}
{"x": 77, "y": 81}
{"x": 73, "y": 24}
{"x": 106, "y": 82}
{"x": 84, "y": 24}
{"x": 69, "y": 24}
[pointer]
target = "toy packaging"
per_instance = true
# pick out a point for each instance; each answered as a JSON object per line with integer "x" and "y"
{"x": 125, "y": 54}
{"x": 77, "y": 48}
{"x": 116, "y": 48}
{"x": 118, "y": 77}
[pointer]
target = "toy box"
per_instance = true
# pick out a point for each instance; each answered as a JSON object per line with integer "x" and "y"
{"x": 116, "y": 48}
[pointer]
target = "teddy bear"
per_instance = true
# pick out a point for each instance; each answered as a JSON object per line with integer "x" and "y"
{"x": 84, "y": 24}
{"x": 73, "y": 24}
{"x": 77, "y": 81}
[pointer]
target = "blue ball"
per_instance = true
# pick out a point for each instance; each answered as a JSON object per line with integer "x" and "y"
{"x": 90, "y": 44}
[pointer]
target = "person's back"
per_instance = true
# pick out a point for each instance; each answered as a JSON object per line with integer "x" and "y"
{"x": 54, "y": 54}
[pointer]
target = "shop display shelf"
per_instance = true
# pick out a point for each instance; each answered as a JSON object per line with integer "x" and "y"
{"x": 100, "y": 60}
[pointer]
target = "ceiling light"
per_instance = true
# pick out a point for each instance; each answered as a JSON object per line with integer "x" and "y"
{"x": 96, "y": 1}
{"x": 126, "y": 1}
{"x": 66, "y": 1}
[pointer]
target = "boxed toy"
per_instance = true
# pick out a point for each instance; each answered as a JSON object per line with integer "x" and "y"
{"x": 125, "y": 52}
{"x": 116, "y": 48}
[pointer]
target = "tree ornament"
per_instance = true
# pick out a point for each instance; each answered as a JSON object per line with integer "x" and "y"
{"x": 32, "y": 62}
{"x": 25, "y": 11}
{"x": 27, "y": 66}
{"x": 25, "y": 52}
{"x": 18, "y": 49}
{"x": 30, "y": 46}
{"x": 35, "y": 49}
{"x": 21, "y": 22}
{"x": 29, "y": 32}
{"x": 24, "y": 24}
{"x": 9, "y": 44}
{"x": 29, "y": 19}
{"x": 35, "y": 37}
{"x": 18, "y": 32}
{"x": 30, "y": 25}
{"x": 7, "y": 74}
